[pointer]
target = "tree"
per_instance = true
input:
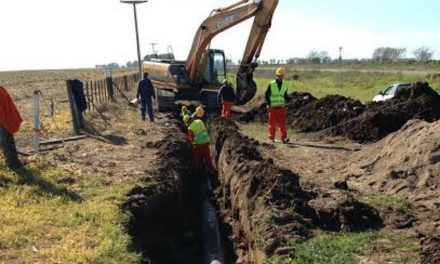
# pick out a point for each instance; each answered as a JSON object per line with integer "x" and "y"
{"x": 423, "y": 54}
{"x": 388, "y": 54}
{"x": 318, "y": 56}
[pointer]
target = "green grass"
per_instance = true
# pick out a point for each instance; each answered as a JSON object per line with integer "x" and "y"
{"x": 348, "y": 248}
{"x": 327, "y": 249}
{"x": 47, "y": 222}
{"x": 395, "y": 203}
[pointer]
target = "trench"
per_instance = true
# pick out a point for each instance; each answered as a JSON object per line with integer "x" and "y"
{"x": 252, "y": 209}
{"x": 173, "y": 217}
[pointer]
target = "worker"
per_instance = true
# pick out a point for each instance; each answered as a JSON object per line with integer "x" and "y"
{"x": 199, "y": 137}
{"x": 10, "y": 121}
{"x": 185, "y": 112}
{"x": 276, "y": 98}
{"x": 201, "y": 114}
{"x": 226, "y": 98}
{"x": 145, "y": 93}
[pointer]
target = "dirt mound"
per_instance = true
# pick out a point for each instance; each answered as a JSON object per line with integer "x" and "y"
{"x": 405, "y": 161}
{"x": 299, "y": 100}
{"x": 265, "y": 205}
{"x": 380, "y": 119}
{"x": 326, "y": 112}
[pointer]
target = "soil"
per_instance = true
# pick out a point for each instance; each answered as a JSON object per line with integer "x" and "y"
{"x": 404, "y": 164}
{"x": 163, "y": 222}
{"x": 251, "y": 188}
{"x": 380, "y": 119}
{"x": 337, "y": 115}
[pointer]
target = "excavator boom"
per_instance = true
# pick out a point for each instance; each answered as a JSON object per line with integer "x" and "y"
{"x": 223, "y": 19}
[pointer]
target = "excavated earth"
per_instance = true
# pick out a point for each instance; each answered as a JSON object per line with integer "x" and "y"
{"x": 339, "y": 115}
{"x": 261, "y": 207}
{"x": 407, "y": 164}
{"x": 265, "y": 206}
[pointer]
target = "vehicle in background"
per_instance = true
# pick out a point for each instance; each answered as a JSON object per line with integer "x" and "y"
{"x": 391, "y": 91}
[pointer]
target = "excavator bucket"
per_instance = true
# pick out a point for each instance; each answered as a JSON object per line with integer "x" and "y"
{"x": 246, "y": 87}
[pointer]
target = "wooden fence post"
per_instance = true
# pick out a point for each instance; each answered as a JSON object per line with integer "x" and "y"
{"x": 73, "y": 109}
{"x": 7, "y": 145}
{"x": 126, "y": 83}
{"x": 110, "y": 91}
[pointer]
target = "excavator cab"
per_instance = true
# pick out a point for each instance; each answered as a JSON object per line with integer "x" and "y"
{"x": 215, "y": 71}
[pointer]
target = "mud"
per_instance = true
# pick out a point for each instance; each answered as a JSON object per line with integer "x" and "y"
{"x": 326, "y": 112}
{"x": 162, "y": 223}
{"x": 299, "y": 100}
{"x": 380, "y": 119}
{"x": 337, "y": 115}
{"x": 266, "y": 207}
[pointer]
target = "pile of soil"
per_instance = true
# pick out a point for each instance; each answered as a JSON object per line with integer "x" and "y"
{"x": 380, "y": 119}
{"x": 299, "y": 100}
{"x": 265, "y": 206}
{"x": 163, "y": 224}
{"x": 326, "y": 112}
{"x": 406, "y": 164}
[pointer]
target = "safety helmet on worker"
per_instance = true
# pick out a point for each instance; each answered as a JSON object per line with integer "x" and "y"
{"x": 225, "y": 82}
{"x": 280, "y": 72}
{"x": 186, "y": 119}
{"x": 200, "y": 112}
{"x": 184, "y": 108}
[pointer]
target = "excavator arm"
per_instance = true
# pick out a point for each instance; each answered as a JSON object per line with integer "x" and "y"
{"x": 223, "y": 19}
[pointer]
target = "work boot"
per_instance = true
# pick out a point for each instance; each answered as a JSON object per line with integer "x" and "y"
{"x": 286, "y": 140}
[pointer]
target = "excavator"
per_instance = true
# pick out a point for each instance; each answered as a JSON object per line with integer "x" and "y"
{"x": 199, "y": 77}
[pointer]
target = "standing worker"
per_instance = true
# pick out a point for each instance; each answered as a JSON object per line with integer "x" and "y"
{"x": 10, "y": 121}
{"x": 226, "y": 98}
{"x": 276, "y": 99}
{"x": 146, "y": 92}
{"x": 199, "y": 137}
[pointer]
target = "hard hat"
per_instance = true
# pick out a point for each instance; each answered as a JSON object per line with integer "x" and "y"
{"x": 186, "y": 119}
{"x": 184, "y": 108}
{"x": 200, "y": 112}
{"x": 280, "y": 72}
{"x": 225, "y": 82}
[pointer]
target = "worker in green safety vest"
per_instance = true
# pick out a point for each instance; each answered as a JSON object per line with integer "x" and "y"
{"x": 276, "y": 99}
{"x": 199, "y": 137}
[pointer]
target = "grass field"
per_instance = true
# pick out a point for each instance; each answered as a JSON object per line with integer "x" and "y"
{"x": 43, "y": 218}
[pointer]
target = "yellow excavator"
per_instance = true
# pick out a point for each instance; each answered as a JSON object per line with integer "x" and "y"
{"x": 199, "y": 78}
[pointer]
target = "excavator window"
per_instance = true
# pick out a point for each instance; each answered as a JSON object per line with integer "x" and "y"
{"x": 216, "y": 67}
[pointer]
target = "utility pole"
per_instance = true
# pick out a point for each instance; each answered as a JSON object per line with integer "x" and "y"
{"x": 153, "y": 48}
{"x": 340, "y": 54}
{"x": 134, "y": 3}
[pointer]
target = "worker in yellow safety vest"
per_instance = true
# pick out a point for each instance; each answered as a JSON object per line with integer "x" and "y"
{"x": 199, "y": 137}
{"x": 276, "y": 98}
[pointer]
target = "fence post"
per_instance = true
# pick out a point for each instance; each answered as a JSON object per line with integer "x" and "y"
{"x": 73, "y": 108}
{"x": 126, "y": 83}
{"x": 110, "y": 92}
{"x": 37, "y": 121}
{"x": 7, "y": 145}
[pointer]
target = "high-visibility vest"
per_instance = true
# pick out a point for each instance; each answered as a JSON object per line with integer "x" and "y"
{"x": 201, "y": 136}
{"x": 277, "y": 95}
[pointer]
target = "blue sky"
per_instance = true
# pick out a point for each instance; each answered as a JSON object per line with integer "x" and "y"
{"x": 82, "y": 33}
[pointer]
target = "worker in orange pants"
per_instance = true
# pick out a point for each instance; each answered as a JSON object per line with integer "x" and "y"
{"x": 277, "y": 98}
{"x": 226, "y": 98}
{"x": 199, "y": 137}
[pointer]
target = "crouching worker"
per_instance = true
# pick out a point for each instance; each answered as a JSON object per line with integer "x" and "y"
{"x": 199, "y": 137}
{"x": 201, "y": 114}
{"x": 185, "y": 113}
